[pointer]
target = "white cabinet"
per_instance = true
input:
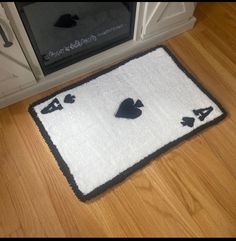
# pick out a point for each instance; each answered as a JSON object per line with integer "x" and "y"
{"x": 158, "y": 17}
{"x": 15, "y": 73}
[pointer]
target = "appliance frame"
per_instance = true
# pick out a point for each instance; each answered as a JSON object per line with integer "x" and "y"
{"x": 60, "y": 64}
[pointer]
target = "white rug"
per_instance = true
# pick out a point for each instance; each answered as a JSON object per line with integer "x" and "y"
{"x": 107, "y": 126}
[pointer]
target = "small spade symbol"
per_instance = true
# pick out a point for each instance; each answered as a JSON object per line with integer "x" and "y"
{"x": 187, "y": 121}
{"x": 69, "y": 99}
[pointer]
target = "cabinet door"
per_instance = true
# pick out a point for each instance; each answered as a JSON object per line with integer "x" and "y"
{"x": 15, "y": 73}
{"x": 160, "y": 16}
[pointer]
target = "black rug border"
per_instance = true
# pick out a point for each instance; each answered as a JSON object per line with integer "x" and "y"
{"x": 120, "y": 177}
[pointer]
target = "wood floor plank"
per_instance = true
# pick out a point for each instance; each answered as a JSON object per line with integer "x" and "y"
{"x": 187, "y": 192}
{"x": 8, "y": 218}
{"x": 194, "y": 179}
{"x": 19, "y": 154}
{"x": 165, "y": 215}
{"x": 24, "y": 209}
{"x": 17, "y": 234}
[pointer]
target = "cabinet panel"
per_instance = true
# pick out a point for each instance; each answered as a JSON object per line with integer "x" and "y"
{"x": 13, "y": 76}
{"x": 159, "y": 16}
{"x": 15, "y": 72}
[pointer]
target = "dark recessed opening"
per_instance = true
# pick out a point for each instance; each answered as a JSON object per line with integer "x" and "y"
{"x": 63, "y": 33}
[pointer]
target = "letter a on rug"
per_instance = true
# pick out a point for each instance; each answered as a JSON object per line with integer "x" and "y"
{"x": 110, "y": 124}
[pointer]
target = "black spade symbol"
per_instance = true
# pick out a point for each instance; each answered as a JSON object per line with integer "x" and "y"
{"x": 188, "y": 121}
{"x": 69, "y": 99}
{"x": 130, "y": 110}
{"x": 66, "y": 21}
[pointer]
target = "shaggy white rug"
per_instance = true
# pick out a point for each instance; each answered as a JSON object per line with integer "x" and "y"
{"x": 105, "y": 127}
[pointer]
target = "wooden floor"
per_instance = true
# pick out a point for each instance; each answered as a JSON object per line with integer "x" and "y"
{"x": 189, "y": 191}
